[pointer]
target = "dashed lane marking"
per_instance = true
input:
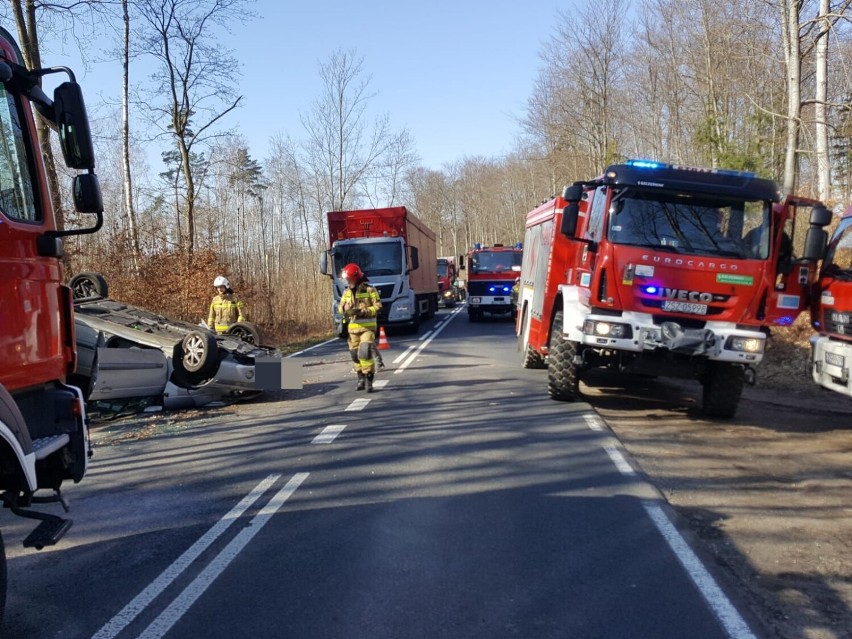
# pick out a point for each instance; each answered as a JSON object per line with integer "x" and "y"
{"x": 328, "y": 434}
{"x": 358, "y": 404}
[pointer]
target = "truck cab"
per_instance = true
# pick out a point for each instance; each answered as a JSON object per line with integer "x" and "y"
{"x": 43, "y": 426}
{"x": 491, "y": 274}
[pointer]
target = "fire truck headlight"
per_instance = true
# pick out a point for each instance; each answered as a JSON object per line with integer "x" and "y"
{"x": 607, "y": 329}
{"x": 745, "y": 344}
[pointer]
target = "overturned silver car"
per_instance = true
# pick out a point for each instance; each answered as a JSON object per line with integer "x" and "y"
{"x": 128, "y": 352}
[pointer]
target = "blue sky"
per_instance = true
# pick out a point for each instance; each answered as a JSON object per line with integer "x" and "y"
{"x": 456, "y": 74}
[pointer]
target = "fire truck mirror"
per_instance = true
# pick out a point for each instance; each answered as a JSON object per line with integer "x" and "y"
{"x": 572, "y": 193}
{"x": 569, "y": 219}
{"x": 821, "y": 216}
{"x": 816, "y": 240}
{"x": 87, "y": 193}
{"x": 74, "y": 135}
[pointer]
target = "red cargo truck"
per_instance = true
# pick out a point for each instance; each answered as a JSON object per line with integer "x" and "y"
{"x": 43, "y": 428}
{"x": 396, "y": 251}
{"x": 448, "y": 290}
{"x": 664, "y": 270}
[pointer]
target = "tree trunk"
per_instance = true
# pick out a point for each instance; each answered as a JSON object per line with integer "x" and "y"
{"x": 125, "y": 143}
{"x": 821, "y": 106}
{"x": 792, "y": 56}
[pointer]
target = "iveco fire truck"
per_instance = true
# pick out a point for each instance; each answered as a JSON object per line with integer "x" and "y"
{"x": 491, "y": 273}
{"x": 43, "y": 428}
{"x": 664, "y": 270}
{"x": 831, "y": 314}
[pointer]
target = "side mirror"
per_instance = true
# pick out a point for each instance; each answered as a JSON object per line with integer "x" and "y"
{"x": 75, "y": 138}
{"x": 816, "y": 240}
{"x": 570, "y": 214}
{"x": 324, "y": 263}
{"x": 87, "y": 193}
{"x": 572, "y": 193}
{"x": 821, "y": 216}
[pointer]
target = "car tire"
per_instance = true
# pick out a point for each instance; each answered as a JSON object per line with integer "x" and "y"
{"x": 88, "y": 285}
{"x": 200, "y": 353}
{"x": 245, "y": 331}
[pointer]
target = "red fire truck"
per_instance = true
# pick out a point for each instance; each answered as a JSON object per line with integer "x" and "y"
{"x": 831, "y": 314}
{"x": 448, "y": 291}
{"x": 491, "y": 273}
{"x": 43, "y": 428}
{"x": 664, "y": 270}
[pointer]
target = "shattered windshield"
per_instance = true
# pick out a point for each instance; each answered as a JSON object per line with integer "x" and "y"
{"x": 838, "y": 258}
{"x": 685, "y": 224}
{"x": 374, "y": 258}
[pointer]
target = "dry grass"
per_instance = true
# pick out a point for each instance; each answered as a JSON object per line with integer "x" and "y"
{"x": 786, "y": 364}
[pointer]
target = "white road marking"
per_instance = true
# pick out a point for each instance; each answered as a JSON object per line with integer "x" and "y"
{"x": 401, "y": 357}
{"x": 141, "y": 601}
{"x": 358, "y": 404}
{"x": 734, "y": 624}
{"x": 328, "y": 434}
{"x": 172, "y": 614}
{"x": 310, "y": 348}
{"x": 380, "y": 383}
{"x": 594, "y": 422}
{"x": 420, "y": 348}
{"x": 618, "y": 459}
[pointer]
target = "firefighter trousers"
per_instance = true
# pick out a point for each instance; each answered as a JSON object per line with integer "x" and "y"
{"x": 361, "y": 350}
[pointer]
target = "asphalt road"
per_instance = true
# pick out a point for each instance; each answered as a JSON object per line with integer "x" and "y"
{"x": 455, "y": 501}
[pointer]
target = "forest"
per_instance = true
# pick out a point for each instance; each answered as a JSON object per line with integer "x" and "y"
{"x": 757, "y": 85}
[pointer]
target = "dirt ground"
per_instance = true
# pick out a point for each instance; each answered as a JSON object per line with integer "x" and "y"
{"x": 768, "y": 493}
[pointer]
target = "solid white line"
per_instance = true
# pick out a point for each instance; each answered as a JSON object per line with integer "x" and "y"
{"x": 310, "y": 348}
{"x": 728, "y": 616}
{"x": 139, "y": 603}
{"x": 594, "y": 422}
{"x": 425, "y": 335}
{"x": 358, "y": 404}
{"x": 420, "y": 348}
{"x": 172, "y": 614}
{"x": 328, "y": 434}
{"x": 618, "y": 459}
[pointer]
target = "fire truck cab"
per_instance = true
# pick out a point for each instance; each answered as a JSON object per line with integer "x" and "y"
{"x": 664, "y": 270}
{"x": 43, "y": 426}
{"x": 491, "y": 273}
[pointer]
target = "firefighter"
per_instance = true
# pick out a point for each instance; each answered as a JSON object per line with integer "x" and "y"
{"x": 360, "y": 304}
{"x": 225, "y": 309}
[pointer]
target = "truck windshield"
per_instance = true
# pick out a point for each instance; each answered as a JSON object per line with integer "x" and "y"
{"x": 683, "y": 223}
{"x": 374, "y": 258}
{"x": 494, "y": 261}
{"x": 443, "y": 269}
{"x": 838, "y": 258}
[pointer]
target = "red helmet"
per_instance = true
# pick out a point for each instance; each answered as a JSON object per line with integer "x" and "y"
{"x": 352, "y": 273}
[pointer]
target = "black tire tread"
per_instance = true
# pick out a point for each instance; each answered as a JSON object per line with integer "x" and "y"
{"x": 563, "y": 378}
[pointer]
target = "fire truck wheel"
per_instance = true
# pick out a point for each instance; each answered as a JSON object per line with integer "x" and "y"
{"x": 563, "y": 375}
{"x": 530, "y": 358}
{"x": 245, "y": 331}
{"x": 200, "y": 353}
{"x": 723, "y": 386}
{"x": 86, "y": 285}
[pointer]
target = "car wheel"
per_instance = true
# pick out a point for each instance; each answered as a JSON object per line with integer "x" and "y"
{"x": 245, "y": 331}
{"x": 200, "y": 353}
{"x": 88, "y": 285}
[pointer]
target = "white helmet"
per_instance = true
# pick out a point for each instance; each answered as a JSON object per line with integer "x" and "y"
{"x": 221, "y": 280}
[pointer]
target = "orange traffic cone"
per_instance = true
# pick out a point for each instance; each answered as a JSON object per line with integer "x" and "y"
{"x": 383, "y": 339}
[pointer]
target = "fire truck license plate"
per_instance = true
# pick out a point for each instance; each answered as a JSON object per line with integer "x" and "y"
{"x": 685, "y": 307}
{"x": 833, "y": 359}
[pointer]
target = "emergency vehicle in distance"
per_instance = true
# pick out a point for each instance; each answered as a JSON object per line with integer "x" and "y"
{"x": 664, "y": 270}
{"x": 397, "y": 253}
{"x": 491, "y": 272}
{"x": 831, "y": 314}
{"x": 448, "y": 291}
{"x": 44, "y": 437}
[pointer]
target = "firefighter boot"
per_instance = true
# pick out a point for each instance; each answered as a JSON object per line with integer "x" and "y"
{"x": 362, "y": 380}
{"x": 369, "y": 382}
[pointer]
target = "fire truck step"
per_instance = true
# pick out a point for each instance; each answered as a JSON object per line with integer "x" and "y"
{"x": 47, "y": 533}
{"x": 43, "y": 446}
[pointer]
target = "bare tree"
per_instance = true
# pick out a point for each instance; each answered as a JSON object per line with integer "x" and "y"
{"x": 194, "y": 87}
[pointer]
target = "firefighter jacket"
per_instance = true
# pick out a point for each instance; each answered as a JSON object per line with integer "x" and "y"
{"x": 225, "y": 310}
{"x": 360, "y": 307}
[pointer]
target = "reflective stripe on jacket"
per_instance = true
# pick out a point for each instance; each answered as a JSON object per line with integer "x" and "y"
{"x": 365, "y": 297}
{"x": 224, "y": 311}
